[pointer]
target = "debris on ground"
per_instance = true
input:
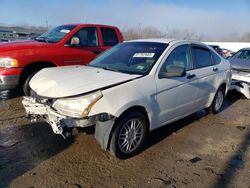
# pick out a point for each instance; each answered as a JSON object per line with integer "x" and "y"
{"x": 195, "y": 159}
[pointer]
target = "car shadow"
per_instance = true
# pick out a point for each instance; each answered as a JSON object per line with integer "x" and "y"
{"x": 165, "y": 131}
{"x": 234, "y": 164}
{"x": 26, "y": 146}
{"x": 231, "y": 98}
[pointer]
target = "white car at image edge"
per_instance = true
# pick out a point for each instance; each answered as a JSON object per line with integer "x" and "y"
{"x": 130, "y": 90}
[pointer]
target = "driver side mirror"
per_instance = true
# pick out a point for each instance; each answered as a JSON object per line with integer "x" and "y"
{"x": 75, "y": 41}
{"x": 173, "y": 71}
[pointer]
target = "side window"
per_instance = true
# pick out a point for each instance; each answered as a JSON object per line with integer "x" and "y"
{"x": 178, "y": 57}
{"x": 216, "y": 58}
{"x": 87, "y": 36}
{"x": 202, "y": 57}
{"x": 109, "y": 36}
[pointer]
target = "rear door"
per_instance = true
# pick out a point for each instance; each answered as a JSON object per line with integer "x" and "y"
{"x": 206, "y": 72}
{"x": 176, "y": 96}
{"x": 86, "y": 51}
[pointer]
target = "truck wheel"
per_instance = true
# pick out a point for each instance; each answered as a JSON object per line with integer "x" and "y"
{"x": 217, "y": 102}
{"x": 26, "y": 86}
{"x": 129, "y": 135}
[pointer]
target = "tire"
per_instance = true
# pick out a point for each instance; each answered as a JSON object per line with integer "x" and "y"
{"x": 129, "y": 135}
{"x": 217, "y": 102}
{"x": 26, "y": 86}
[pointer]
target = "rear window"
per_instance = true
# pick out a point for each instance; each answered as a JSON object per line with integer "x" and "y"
{"x": 202, "y": 57}
{"x": 109, "y": 37}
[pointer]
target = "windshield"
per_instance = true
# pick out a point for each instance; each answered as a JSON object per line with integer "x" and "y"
{"x": 130, "y": 57}
{"x": 56, "y": 34}
{"x": 243, "y": 54}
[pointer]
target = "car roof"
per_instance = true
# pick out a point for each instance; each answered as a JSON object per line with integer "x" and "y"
{"x": 166, "y": 41}
{"x": 88, "y": 25}
{"x": 159, "y": 40}
{"x": 214, "y": 46}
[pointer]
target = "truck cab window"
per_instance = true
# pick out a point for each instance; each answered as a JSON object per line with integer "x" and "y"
{"x": 87, "y": 37}
{"x": 109, "y": 37}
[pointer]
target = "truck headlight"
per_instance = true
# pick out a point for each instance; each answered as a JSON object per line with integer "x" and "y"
{"x": 78, "y": 107}
{"x": 7, "y": 62}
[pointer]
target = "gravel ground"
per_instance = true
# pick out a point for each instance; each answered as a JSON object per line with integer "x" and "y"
{"x": 198, "y": 151}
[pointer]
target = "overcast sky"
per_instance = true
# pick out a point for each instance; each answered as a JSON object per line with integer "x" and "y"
{"x": 211, "y": 18}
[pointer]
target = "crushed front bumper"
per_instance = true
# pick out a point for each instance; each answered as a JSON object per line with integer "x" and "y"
{"x": 241, "y": 83}
{"x": 58, "y": 122}
{"x": 61, "y": 124}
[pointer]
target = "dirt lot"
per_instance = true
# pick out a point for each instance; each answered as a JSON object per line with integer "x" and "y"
{"x": 198, "y": 151}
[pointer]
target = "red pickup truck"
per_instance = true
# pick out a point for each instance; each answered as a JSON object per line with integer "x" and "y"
{"x": 64, "y": 45}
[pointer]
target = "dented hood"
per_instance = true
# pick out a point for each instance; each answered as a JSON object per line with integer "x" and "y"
{"x": 74, "y": 80}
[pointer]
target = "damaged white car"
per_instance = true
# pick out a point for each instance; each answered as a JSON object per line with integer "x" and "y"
{"x": 130, "y": 90}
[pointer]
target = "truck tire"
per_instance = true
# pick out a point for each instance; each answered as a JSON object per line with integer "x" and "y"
{"x": 26, "y": 86}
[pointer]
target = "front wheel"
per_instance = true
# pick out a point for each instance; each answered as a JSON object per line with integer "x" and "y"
{"x": 26, "y": 86}
{"x": 217, "y": 102}
{"x": 129, "y": 135}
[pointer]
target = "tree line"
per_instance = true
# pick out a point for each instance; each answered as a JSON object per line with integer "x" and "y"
{"x": 152, "y": 32}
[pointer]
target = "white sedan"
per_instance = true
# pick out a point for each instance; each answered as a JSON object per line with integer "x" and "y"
{"x": 130, "y": 90}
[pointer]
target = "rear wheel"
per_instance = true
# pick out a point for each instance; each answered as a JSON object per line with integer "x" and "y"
{"x": 129, "y": 135}
{"x": 217, "y": 102}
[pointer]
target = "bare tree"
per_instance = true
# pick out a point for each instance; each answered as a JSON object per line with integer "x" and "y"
{"x": 142, "y": 32}
{"x": 152, "y": 32}
{"x": 184, "y": 34}
{"x": 245, "y": 37}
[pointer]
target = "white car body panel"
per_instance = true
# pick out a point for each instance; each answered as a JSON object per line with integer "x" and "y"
{"x": 74, "y": 80}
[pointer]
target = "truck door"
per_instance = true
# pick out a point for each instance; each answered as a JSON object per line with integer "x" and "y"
{"x": 86, "y": 50}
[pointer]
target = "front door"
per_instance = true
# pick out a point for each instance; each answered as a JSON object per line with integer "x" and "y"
{"x": 176, "y": 96}
{"x": 87, "y": 49}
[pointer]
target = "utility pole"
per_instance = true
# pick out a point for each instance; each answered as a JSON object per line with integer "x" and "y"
{"x": 166, "y": 32}
{"x": 139, "y": 31}
{"x": 47, "y": 24}
{"x": 84, "y": 20}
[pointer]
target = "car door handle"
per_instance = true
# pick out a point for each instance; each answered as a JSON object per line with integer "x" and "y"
{"x": 215, "y": 69}
{"x": 190, "y": 76}
{"x": 96, "y": 51}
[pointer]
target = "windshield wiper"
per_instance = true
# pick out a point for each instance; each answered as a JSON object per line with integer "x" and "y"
{"x": 110, "y": 69}
{"x": 42, "y": 39}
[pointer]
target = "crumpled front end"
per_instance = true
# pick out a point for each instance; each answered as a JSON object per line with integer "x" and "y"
{"x": 62, "y": 124}
{"x": 43, "y": 110}
{"x": 241, "y": 82}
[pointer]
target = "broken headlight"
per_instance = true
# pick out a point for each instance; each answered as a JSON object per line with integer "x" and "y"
{"x": 78, "y": 107}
